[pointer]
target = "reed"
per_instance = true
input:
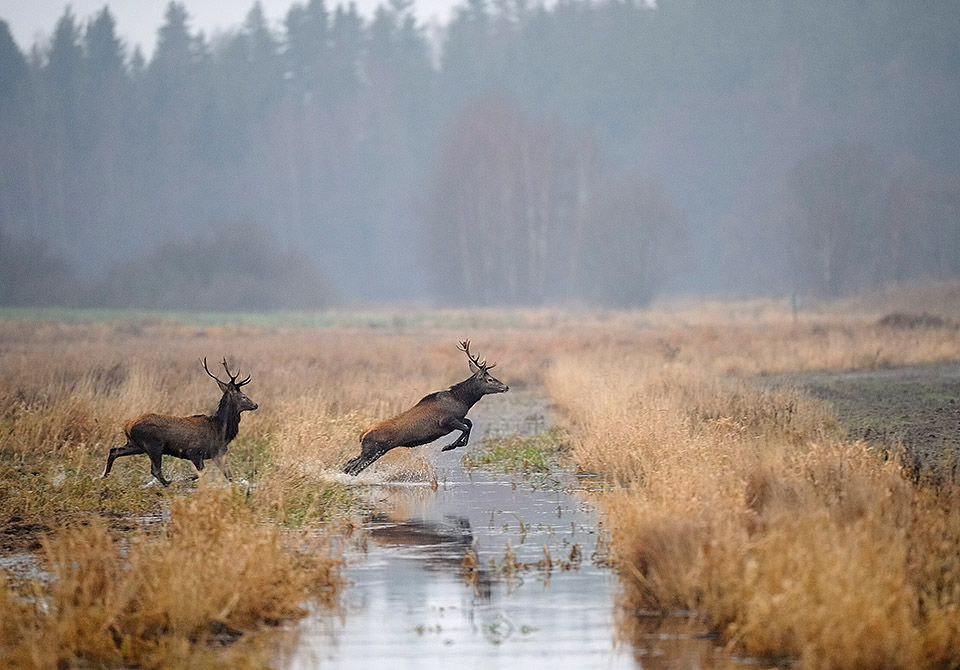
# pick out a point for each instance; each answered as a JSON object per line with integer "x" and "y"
{"x": 744, "y": 504}
{"x": 733, "y": 498}
{"x": 214, "y": 573}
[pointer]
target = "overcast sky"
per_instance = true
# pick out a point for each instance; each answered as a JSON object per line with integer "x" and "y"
{"x": 138, "y": 20}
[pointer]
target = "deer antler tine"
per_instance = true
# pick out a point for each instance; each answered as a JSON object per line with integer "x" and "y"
{"x": 465, "y": 348}
{"x": 244, "y": 381}
{"x": 218, "y": 380}
{"x": 233, "y": 377}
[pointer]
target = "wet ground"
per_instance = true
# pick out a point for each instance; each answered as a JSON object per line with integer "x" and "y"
{"x": 411, "y": 601}
{"x": 916, "y": 408}
{"x": 535, "y": 590}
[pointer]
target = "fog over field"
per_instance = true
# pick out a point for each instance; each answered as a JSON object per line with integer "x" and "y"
{"x": 304, "y": 154}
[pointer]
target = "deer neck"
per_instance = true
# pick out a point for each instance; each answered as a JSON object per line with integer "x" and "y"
{"x": 228, "y": 416}
{"x": 468, "y": 391}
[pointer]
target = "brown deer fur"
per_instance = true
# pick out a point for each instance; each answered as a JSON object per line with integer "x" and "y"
{"x": 433, "y": 417}
{"x": 195, "y": 438}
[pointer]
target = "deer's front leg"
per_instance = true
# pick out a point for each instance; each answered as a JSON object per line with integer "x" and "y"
{"x": 156, "y": 457}
{"x": 220, "y": 460}
{"x": 463, "y": 425}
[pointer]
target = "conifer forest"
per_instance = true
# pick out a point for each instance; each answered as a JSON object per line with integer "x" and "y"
{"x": 606, "y": 152}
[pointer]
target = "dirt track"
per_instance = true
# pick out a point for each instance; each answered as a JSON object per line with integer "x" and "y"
{"x": 917, "y": 407}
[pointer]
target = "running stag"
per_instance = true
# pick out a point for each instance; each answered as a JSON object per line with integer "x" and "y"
{"x": 196, "y": 438}
{"x": 433, "y": 417}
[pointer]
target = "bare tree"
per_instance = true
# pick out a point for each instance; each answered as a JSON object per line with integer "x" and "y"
{"x": 832, "y": 188}
{"x": 632, "y": 228}
{"x": 500, "y": 206}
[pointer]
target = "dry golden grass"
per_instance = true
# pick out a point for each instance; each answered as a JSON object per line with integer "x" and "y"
{"x": 744, "y": 504}
{"x": 739, "y": 501}
{"x": 164, "y": 599}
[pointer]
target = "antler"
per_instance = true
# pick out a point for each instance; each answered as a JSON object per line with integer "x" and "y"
{"x": 233, "y": 377}
{"x": 465, "y": 348}
{"x": 210, "y": 373}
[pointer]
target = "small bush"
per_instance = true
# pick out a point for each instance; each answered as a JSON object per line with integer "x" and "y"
{"x": 905, "y": 321}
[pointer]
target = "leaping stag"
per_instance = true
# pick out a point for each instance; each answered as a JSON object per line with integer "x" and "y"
{"x": 196, "y": 438}
{"x": 433, "y": 417}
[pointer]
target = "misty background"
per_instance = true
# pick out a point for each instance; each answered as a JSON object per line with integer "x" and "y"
{"x": 606, "y": 152}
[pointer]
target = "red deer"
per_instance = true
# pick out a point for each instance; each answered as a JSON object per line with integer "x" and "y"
{"x": 196, "y": 438}
{"x": 433, "y": 417}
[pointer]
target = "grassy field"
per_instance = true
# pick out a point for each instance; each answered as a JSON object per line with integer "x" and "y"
{"x": 741, "y": 502}
{"x": 66, "y": 389}
{"x": 747, "y": 505}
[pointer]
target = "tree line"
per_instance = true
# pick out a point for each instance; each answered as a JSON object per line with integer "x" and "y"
{"x": 586, "y": 151}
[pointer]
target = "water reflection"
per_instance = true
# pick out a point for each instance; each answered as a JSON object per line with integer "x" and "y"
{"x": 410, "y": 601}
{"x": 412, "y": 604}
{"x": 451, "y": 533}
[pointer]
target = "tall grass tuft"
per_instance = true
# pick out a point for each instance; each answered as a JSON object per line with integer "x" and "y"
{"x": 163, "y": 599}
{"x": 745, "y": 505}
{"x": 740, "y": 502}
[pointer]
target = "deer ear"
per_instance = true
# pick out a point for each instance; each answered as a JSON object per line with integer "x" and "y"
{"x": 223, "y": 387}
{"x": 473, "y": 368}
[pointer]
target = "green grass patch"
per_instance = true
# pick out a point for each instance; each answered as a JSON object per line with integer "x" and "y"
{"x": 300, "y": 500}
{"x": 314, "y": 319}
{"x": 37, "y": 488}
{"x": 249, "y": 457}
{"x": 538, "y": 453}
{"x": 940, "y": 396}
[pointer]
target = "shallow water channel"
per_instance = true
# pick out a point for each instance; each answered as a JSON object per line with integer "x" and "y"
{"x": 410, "y": 605}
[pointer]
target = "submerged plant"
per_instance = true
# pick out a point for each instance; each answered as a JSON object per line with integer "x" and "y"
{"x": 521, "y": 453}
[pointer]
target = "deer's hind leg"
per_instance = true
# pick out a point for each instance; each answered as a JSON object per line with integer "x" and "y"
{"x": 370, "y": 451}
{"x": 357, "y": 465}
{"x": 129, "y": 449}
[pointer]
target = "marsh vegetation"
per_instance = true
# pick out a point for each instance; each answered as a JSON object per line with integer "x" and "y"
{"x": 745, "y": 505}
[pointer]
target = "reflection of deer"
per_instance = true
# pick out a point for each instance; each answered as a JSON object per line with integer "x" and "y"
{"x": 195, "y": 438}
{"x": 450, "y": 542}
{"x": 454, "y": 531}
{"x": 433, "y": 417}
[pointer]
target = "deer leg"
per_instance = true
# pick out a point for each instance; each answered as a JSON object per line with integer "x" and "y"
{"x": 220, "y": 460}
{"x": 198, "y": 464}
{"x": 156, "y": 457}
{"x": 357, "y": 465}
{"x": 464, "y": 425}
{"x": 126, "y": 450}
{"x": 369, "y": 452}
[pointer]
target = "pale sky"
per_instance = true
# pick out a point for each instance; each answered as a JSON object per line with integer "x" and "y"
{"x": 138, "y": 20}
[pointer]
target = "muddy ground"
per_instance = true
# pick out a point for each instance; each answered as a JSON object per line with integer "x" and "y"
{"x": 915, "y": 408}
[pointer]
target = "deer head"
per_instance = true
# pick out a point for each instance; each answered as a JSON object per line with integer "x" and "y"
{"x": 231, "y": 389}
{"x": 480, "y": 369}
